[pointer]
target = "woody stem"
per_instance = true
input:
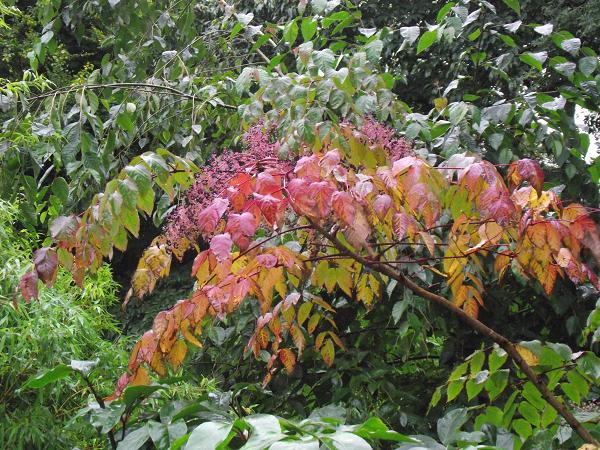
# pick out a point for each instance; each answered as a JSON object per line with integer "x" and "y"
{"x": 502, "y": 341}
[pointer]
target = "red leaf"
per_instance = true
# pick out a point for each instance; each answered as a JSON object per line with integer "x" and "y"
{"x": 45, "y": 260}
{"x": 272, "y": 208}
{"x": 302, "y": 201}
{"x": 526, "y": 170}
{"x": 267, "y": 260}
{"x": 321, "y": 192}
{"x": 267, "y": 184}
{"x": 220, "y": 245}
{"x": 28, "y": 286}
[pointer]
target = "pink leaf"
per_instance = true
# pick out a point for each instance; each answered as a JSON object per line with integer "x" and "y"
{"x": 240, "y": 226}
{"x": 382, "y": 205}
{"x": 330, "y": 160}
{"x": 220, "y": 245}
{"x": 343, "y": 207}
{"x": 308, "y": 168}
{"x": 209, "y": 217}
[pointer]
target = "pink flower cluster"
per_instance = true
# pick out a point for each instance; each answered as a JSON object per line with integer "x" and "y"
{"x": 214, "y": 178}
{"x": 381, "y": 135}
{"x": 260, "y": 146}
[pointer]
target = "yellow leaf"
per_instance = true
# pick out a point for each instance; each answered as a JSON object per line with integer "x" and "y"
{"x": 337, "y": 340}
{"x": 288, "y": 358}
{"x": 440, "y": 103}
{"x": 187, "y": 333}
{"x": 177, "y": 354}
{"x": 157, "y": 364}
{"x": 471, "y": 307}
{"x": 319, "y": 340}
{"x": 298, "y": 338}
{"x": 328, "y": 352}
{"x": 428, "y": 241}
{"x": 313, "y": 322}
{"x": 303, "y": 312}
{"x": 344, "y": 280}
{"x": 529, "y": 357}
{"x": 141, "y": 378}
{"x": 363, "y": 290}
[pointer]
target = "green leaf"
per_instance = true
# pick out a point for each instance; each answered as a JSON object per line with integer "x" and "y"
{"x": 426, "y": 41}
{"x": 544, "y": 30}
{"x": 496, "y": 383}
{"x": 588, "y": 65}
{"x": 348, "y": 441}
{"x": 208, "y": 435}
{"x": 514, "y": 5}
{"x": 308, "y": 28}
{"x": 533, "y": 396}
{"x": 571, "y": 45}
{"x": 135, "y": 439}
{"x": 449, "y": 425}
{"x": 529, "y": 413}
{"x": 473, "y": 389}
{"x": 60, "y": 188}
{"x": 454, "y": 389}
{"x": 436, "y": 397}
{"x": 443, "y": 12}
{"x": 290, "y": 32}
{"x": 374, "y": 428}
{"x": 523, "y": 428}
{"x": 50, "y": 376}
{"x": 535, "y": 60}
{"x": 373, "y": 50}
{"x": 549, "y": 415}
{"x": 589, "y": 364}
{"x": 411, "y": 34}
{"x": 133, "y": 393}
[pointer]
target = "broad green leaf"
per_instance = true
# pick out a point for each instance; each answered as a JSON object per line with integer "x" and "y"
{"x": 50, "y": 376}
{"x": 544, "y": 30}
{"x": 455, "y": 388}
{"x": 135, "y": 439}
{"x": 411, "y": 34}
{"x": 514, "y": 5}
{"x": 449, "y": 425}
{"x": 588, "y": 65}
{"x": 426, "y": 40}
{"x": 208, "y": 435}
{"x": 529, "y": 413}
{"x": 348, "y": 441}
{"x": 374, "y": 428}
{"x": 535, "y": 60}
{"x": 443, "y": 12}
{"x": 60, "y": 188}
{"x": 290, "y": 33}
{"x": 308, "y": 28}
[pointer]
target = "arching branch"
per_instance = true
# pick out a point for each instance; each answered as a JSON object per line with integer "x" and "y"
{"x": 501, "y": 340}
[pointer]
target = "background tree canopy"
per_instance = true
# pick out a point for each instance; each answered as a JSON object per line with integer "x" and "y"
{"x": 388, "y": 211}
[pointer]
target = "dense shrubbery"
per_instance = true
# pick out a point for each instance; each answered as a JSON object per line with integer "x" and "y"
{"x": 360, "y": 202}
{"x": 69, "y": 323}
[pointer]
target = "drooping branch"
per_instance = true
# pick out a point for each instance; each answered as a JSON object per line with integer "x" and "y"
{"x": 501, "y": 340}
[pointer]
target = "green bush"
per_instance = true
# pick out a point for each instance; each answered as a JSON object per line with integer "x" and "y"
{"x": 65, "y": 323}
